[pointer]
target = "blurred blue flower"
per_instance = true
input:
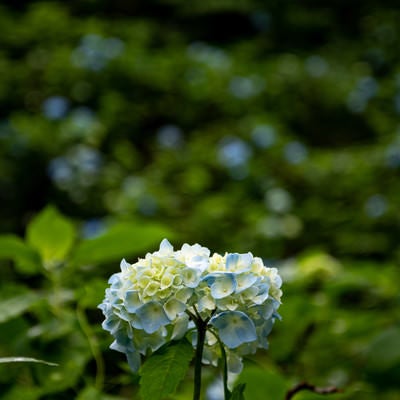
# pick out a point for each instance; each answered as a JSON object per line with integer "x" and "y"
{"x": 375, "y": 206}
{"x": 295, "y": 152}
{"x": 170, "y": 136}
{"x": 233, "y": 152}
{"x": 55, "y": 107}
{"x": 212, "y": 56}
{"x": 264, "y": 136}
{"x": 244, "y": 87}
{"x": 92, "y": 228}
{"x": 366, "y": 88}
{"x": 60, "y": 170}
{"x": 278, "y": 200}
{"x": 94, "y": 51}
{"x": 316, "y": 66}
{"x": 392, "y": 156}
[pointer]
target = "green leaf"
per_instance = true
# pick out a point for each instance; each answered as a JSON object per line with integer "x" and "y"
{"x": 162, "y": 372}
{"x": 384, "y": 351}
{"x": 238, "y": 392}
{"x": 122, "y": 240}
{"x": 22, "y": 392}
{"x": 26, "y": 259}
{"x": 15, "y": 306}
{"x": 91, "y": 393}
{"x": 52, "y": 235}
{"x": 25, "y": 359}
{"x": 262, "y": 384}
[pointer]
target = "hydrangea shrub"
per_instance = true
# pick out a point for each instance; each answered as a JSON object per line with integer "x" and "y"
{"x": 163, "y": 296}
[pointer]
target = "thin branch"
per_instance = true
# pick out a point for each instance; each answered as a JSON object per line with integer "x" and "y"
{"x": 307, "y": 386}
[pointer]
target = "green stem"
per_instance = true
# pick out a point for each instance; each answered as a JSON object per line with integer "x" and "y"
{"x": 227, "y": 393}
{"x": 224, "y": 370}
{"x": 201, "y": 336}
{"x": 93, "y": 344}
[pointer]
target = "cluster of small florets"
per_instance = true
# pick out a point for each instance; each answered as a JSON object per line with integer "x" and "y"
{"x": 153, "y": 301}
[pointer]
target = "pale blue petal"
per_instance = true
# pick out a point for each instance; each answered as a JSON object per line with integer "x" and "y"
{"x": 111, "y": 324}
{"x": 133, "y": 359}
{"x": 166, "y": 246}
{"x": 136, "y": 322}
{"x": 234, "y": 328}
{"x": 124, "y": 265}
{"x": 154, "y": 341}
{"x": 264, "y": 311}
{"x": 231, "y": 260}
{"x": 132, "y": 300}
{"x": 115, "y": 281}
{"x": 115, "y": 345}
{"x": 222, "y": 284}
{"x": 152, "y": 316}
{"x": 262, "y": 294}
{"x": 263, "y": 331}
{"x": 239, "y": 262}
{"x": 123, "y": 314}
{"x": 277, "y": 315}
{"x": 244, "y": 281}
{"x": 246, "y": 261}
{"x": 209, "y": 279}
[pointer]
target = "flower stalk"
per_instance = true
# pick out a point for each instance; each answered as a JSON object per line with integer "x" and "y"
{"x": 201, "y": 336}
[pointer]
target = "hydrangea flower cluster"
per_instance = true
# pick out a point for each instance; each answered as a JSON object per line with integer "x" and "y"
{"x": 156, "y": 299}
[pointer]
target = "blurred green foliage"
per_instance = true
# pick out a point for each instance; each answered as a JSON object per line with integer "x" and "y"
{"x": 262, "y": 126}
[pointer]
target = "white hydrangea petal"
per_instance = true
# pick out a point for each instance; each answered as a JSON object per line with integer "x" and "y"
{"x": 206, "y": 302}
{"x": 184, "y": 294}
{"x": 191, "y": 277}
{"x": 124, "y": 265}
{"x": 234, "y": 363}
{"x": 180, "y": 327}
{"x": 173, "y": 307}
{"x": 166, "y": 247}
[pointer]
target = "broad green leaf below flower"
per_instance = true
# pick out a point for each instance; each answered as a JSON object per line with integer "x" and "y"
{"x": 164, "y": 370}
